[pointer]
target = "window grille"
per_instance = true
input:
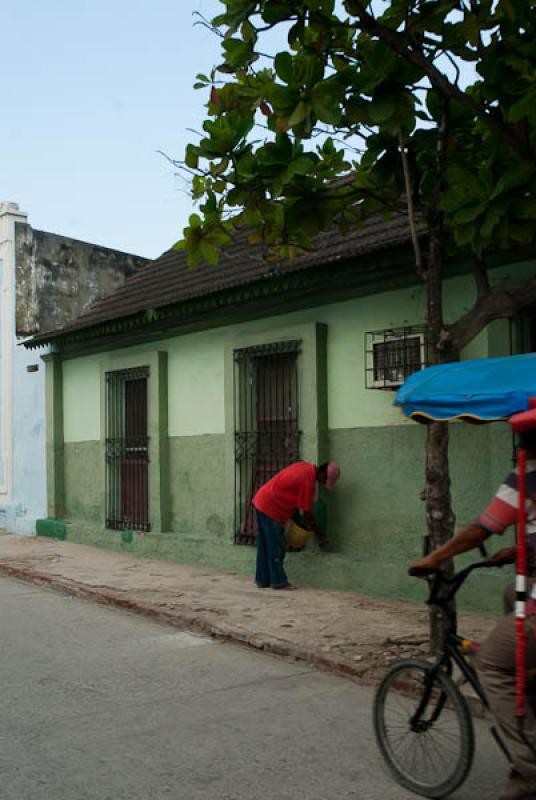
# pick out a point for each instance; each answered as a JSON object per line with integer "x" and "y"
{"x": 127, "y": 450}
{"x": 266, "y": 423}
{"x": 392, "y": 355}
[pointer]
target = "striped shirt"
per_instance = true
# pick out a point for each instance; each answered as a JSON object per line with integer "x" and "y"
{"x": 502, "y": 511}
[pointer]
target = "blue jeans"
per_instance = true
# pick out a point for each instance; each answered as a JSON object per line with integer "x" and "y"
{"x": 270, "y": 552}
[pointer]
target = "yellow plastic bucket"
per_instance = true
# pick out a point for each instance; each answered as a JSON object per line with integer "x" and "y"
{"x": 296, "y": 535}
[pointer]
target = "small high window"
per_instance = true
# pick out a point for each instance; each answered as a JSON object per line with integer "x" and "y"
{"x": 392, "y": 355}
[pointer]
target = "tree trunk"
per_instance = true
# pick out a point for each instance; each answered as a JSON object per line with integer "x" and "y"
{"x": 440, "y": 518}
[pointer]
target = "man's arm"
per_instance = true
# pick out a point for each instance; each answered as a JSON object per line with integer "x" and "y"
{"x": 468, "y": 538}
{"x": 505, "y": 556}
{"x": 315, "y": 527}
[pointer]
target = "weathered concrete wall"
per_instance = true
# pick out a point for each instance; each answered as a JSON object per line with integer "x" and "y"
{"x": 58, "y": 278}
{"x": 45, "y": 281}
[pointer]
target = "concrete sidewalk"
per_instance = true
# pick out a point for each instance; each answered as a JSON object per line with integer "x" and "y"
{"x": 343, "y": 631}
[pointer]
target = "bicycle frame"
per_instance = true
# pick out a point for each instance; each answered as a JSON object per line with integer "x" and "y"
{"x": 451, "y": 652}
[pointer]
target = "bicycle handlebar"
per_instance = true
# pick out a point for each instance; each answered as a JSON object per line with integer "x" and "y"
{"x": 421, "y": 572}
{"x": 439, "y": 579}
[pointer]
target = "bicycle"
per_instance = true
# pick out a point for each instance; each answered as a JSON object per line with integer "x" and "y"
{"x": 422, "y": 721}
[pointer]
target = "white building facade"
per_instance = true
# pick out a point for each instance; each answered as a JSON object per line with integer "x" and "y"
{"x": 45, "y": 279}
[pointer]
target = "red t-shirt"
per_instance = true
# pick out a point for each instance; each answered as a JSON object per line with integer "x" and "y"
{"x": 291, "y": 490}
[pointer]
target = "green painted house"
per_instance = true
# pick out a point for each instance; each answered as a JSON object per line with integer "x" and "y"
{"x": 172, "y": 399}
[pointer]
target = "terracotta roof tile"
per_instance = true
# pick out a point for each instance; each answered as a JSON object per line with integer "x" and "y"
{"x": 168, "y": 280}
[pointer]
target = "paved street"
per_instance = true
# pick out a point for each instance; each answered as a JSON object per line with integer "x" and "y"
{"x": 99, "y": 704}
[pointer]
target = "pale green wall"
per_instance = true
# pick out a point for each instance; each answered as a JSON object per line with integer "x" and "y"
{"x": 196, "y": 380}
{"x": 195, "y": 375}
{"x": 81, "y": 400}
{"x": 196, "y": 363}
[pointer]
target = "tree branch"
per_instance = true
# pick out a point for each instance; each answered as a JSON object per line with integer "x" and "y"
{"x": 401, "y": 45}
{"x": 497, "y": 304}
{"x": 481, "y": 277}
{"x": 411, "y": 210}
{"x": 434, "y": 270}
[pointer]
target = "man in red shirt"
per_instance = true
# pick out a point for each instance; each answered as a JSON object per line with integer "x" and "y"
{"x": 291, "y": 490}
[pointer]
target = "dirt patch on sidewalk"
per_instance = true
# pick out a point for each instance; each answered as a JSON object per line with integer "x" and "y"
{"x": 347, "y": 632}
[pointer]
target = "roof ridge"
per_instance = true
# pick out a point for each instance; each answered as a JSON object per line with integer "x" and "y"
{"x": 167, "y": 280}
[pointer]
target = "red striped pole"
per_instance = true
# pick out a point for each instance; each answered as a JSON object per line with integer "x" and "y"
{"x": 521, "y": 586}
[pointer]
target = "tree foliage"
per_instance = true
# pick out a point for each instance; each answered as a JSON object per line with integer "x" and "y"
{"x": 368, "y": 100}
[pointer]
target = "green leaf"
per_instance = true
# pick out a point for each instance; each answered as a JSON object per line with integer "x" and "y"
{"x": 522, "y": 233}
{"x": 209, "y": 252}
{"x": 298, "y": 115}
{"x": 284, "y": 66}
{"x": 525, "y": 208}
{"x": 276, "y": 12}
{"x": 517, "y": 175}
{"x": 469, "y": 213}
{"x": 248, "y": 32}
{"x": 150, "y": 314}
{"x": 283, "y": 99}
{"x": 382, "y": 107}
{"x": 357, "y": 111}
{"x": 326, "y": 99}
{"x": 191, "y": 158}
{"x": 471, "y": 28}
{"x": 238, "y": 53}
{"x": 295, "y": 34}
{"x": 464, "y": 179}
{"x": 524, "y": 107}
{"x": 491, "y": 221}
{"x": 304, "y": 165}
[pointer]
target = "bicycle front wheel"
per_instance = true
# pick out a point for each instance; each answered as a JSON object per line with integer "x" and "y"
{"x": 424, "y": 728}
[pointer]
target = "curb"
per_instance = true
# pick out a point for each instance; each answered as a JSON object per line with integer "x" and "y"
{"x": 362, "y": 673}
{"x": 193, "y": 622}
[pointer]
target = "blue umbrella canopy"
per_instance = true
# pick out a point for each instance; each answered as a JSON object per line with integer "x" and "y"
{"x": 484, "y": 390}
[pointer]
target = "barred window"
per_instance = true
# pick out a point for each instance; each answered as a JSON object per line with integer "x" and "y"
{"x": 266, "y": 423}
{"x": 393, "y": 355}
{"x": 127, "y": 450}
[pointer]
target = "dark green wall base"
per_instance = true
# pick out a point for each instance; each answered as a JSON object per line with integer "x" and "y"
{"x": 54, "y": 528}
{"x": 197, "y": 485}
{"x": 84, "y": 489}
{"x": 311, "y": 567}
{"x": 204, "y": 550}
{"x": 376, "y": 516}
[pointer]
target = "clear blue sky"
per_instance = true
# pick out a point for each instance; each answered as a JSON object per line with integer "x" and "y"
{"x": 91, "y": 90}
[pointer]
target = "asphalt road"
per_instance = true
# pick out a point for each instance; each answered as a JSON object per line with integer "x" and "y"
{"x": 98, "y": 704}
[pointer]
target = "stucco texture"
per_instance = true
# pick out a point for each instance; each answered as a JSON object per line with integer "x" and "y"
{"x": 84, "y": 490}
{"x": 197, "y": 486}
{"x": 58, "y": 278}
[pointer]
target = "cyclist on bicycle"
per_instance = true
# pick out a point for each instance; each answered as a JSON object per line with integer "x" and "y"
{"x": 496, "y": 660}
